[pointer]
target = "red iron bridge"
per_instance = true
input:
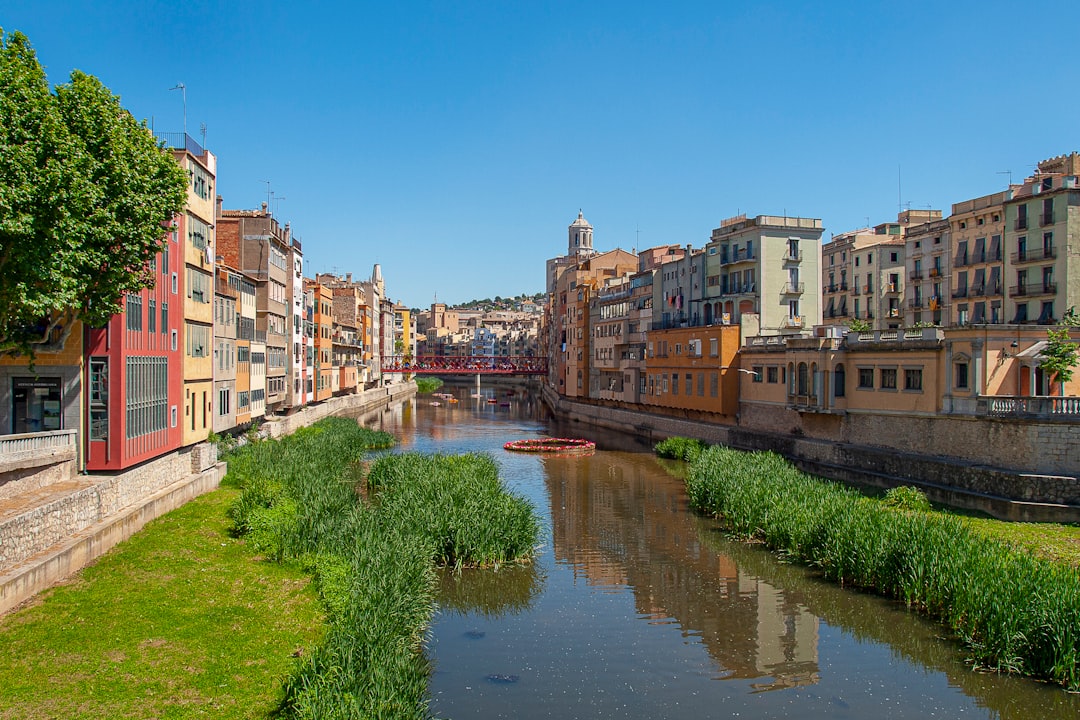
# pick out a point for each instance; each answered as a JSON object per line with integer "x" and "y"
{"x": 466, "y": 365}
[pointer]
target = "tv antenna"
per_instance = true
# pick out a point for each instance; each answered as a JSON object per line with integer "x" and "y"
{"x": 183, "y": 92}
{"x": 1006, "y": 172}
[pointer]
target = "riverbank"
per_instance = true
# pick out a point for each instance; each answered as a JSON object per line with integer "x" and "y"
{"x": 1014, "y": 612}
{"x": 1000, "y": 493}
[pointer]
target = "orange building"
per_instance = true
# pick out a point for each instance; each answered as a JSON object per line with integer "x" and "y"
{"x": 694, "y": 368}
{"x": 324, "y": 338}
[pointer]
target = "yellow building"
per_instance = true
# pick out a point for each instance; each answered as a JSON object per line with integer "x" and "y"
{"x": 196, "y": 231}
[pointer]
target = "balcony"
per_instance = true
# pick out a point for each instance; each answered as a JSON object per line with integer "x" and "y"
{"x": 1033, "y": 289}
{"x": 1046, "y": 219}
{"x": 960, "y": 292}
{"x": 1030, "y": 407}
{"x": 895, "y": 313}
{"x": 961, "y": 260}
{"x": 792, "y": 289}
{"x": 829, "y": 288}
{"x": 1034, "y": 255}
{"x": 868, "y": 289}
{"x": 737, "y": 256}
{"x": 916, "y": 304}
{"x": 977, "y": 291}
{"x": 891, "y": 289}
{"x": 793, "y": 257}
{"x": 843, "y": 287}
{"x": 794, "y": 322}
{"x": 916, "y": 274}
{"x": 935, "y": 272}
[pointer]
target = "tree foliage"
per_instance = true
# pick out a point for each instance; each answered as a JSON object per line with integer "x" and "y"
{"x": 1059, "y": 357}
{"x": 86, "y": 195}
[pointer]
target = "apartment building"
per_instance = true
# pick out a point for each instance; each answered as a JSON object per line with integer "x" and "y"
{"x": 977, "y": 229}
{"x": 197, "y": 230}
{"x": 295, "y": 392}
{"x": 254, "y": 243}
{"x": 570, "y": 337}
{"x": 134, "y": 371}
{"x": 1042, "y": 234}
{"x": 244, "y": 288}
{"x": 226, "y": 324}
{"x": 346, "y": 357}
{"x": 323, "y": 325}
{"x": 611, "y": 375}
{"x": 928, "y": 268}
{"x": 693, "y": 369}
{"x": 679, "y": 289}
{"x": 759, "y": 266}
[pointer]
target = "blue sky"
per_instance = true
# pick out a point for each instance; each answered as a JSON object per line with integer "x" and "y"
{"x": 453, "y": 142}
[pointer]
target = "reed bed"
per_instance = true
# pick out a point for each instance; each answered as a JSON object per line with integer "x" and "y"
{"x": 680, "y": 448}
{"x": 427, "y": 385}
{"x": 1014, "y": 612}
{"x": 373, "y": 562}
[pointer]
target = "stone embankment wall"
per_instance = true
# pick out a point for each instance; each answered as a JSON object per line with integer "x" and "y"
{"x": 1003, "y": 491}
{"x": 359, "y": 403}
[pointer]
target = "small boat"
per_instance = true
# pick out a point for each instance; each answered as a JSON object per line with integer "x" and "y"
{"x": 436, "y": 403}
{"x": 452, "y": 400}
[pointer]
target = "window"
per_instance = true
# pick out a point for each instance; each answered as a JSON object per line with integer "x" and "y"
{"x": 198, "y": 233}
{"x": 961, "y": 375}
{"x": 772, "y": 374}
{"x": 674, "y": 384}
{"x": 134, "y": 312}
{"x": 196, "y": 340}
{"x": 224, "y": 398}
{"x": 689, "y": 384}
{"x": 759, "y": 373}
{"x": 714, "y": 347}
{"x": 99, "y": 398}
{"x": 147, "y": 380}
{"x": 151, "y": 317}
{"x": 913, "y": 378}
{"x": 887, "y": 379}
{"x": 199, "y": 286}
{"x": 866, "y": 378}
{"x": 714, "y": 384}
{"x": 838, "y": 381}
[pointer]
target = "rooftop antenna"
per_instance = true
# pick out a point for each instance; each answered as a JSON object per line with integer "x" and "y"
{"x": 183, "y": 91}
{"x": 274, "y": 200}
{"x": 202, "y": 131}
{"x": 1006, "y": 172}
{"x": 268, "y": 194}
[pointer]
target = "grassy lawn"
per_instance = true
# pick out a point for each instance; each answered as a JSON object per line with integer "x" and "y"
{"x": 180, "y": 621}
{"x": 1060, "y": 543}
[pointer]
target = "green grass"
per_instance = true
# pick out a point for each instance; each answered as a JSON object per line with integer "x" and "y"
{"x": 679, "y": 448}
{"x": 373, "y": 562}
{"x": 1014, "y": 612}
{"x": 179, "y": 621}
{"x": 1058, "y": 543}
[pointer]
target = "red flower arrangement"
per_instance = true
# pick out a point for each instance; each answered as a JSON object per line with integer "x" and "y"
{"x": 551, "y": 445}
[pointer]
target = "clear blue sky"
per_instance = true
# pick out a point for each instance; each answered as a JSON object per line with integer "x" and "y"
{"x": 453, "y": 142}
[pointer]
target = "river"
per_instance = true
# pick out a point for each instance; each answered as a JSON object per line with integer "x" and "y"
{"x": 635, "y": 607}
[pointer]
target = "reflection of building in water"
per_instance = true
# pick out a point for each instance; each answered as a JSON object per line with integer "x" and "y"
{"x": 627, "y": 524}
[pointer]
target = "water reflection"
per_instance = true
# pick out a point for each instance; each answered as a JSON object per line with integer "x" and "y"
{"x": 638, "y": 608}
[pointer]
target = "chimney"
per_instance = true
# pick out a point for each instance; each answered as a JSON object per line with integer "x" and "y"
{"x": 264, "y": 209}
{"x": 219, "y": 201}
{"x": 348, "y": 277}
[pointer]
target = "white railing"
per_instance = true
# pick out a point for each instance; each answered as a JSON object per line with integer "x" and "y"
{"x": 24, "y": 443}
{"x": 1045, "y": 407}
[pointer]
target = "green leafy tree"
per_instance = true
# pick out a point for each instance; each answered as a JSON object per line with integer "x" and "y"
{"x": 1059, "y": 355}
{"x": 858, "y": 325}
{"x": 86, "y": 195}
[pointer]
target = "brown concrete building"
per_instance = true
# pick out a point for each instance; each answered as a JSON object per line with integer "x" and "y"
{"x": 694, "y": 369}
{"x": 253, "y": 242}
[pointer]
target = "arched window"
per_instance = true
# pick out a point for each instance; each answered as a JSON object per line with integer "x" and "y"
{"x": 803, "y": 385}
{"x": 838, "y": 380}
{"x": 791, "y": 378}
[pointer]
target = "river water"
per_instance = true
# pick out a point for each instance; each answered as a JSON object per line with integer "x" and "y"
{"x": 635, "y": 607}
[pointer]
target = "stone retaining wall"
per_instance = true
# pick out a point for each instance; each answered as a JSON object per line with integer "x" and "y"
{"x": 359, "y": 403}
{"x": 1007, "y": 493}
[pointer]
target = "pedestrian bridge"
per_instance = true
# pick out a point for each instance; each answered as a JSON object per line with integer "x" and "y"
{"x": 465, "y": 365}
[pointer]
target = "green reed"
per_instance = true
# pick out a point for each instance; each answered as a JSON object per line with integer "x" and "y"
{"x": 679, "y": 448}
{"x": 1013, "y": 611}
{"x": 373, "y": 563}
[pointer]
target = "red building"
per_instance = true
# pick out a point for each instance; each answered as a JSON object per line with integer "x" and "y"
{"x": 134, "y": 372}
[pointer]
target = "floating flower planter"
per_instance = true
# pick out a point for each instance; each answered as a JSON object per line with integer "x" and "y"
{"x": 552, "y": 445}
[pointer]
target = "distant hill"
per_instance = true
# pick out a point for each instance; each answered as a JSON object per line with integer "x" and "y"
{"x": 496, "y": 303}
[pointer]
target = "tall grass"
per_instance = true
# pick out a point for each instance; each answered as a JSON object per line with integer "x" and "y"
{"x": 679, "y": 448}
{"x": 374, "y": 563}
{"x": 425, "y": 385}
{"x": 1014, "y": 612}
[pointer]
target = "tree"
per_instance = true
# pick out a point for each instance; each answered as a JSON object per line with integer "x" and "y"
{"x": 1059, "y": 357}
{"x": 86, "y": 196}
{"x": 858, "y": 325}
